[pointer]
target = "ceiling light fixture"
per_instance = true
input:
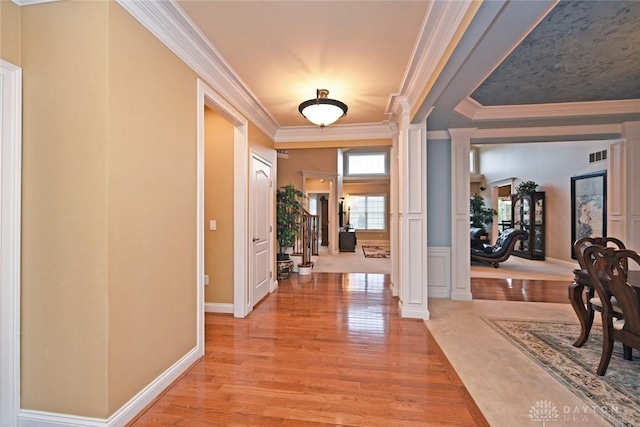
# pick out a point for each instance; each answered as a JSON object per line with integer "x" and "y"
{"x": 322, "y": 111}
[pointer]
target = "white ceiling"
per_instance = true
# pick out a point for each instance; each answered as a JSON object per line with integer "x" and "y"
{"x": 285, "y": 50}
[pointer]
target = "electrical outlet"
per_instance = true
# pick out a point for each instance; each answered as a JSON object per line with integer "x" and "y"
{"x": 206, "y": 279}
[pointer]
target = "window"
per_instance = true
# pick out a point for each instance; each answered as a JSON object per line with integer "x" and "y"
{"x": 473, "y": 157}
{"x": 367, "y": 212}
{"x": 366, "y": 164}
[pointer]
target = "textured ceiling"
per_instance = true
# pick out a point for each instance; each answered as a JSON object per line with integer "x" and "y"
{"x": 581, "y": 51}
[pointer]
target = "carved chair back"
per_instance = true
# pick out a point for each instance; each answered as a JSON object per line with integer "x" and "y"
{"x": 613, "y": 282}
{"x": 580, "y": 245}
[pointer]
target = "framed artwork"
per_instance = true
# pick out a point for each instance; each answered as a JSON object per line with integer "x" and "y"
{"x": 588, "y": 206}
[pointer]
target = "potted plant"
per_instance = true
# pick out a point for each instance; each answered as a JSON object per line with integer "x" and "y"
{"x": 526, "y": 187}
{"x": 480, "y": 214}
{"x": 289, "y": 211}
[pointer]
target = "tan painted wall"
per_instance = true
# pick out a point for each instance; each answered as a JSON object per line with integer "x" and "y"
{"x": 64, "y": 207}
{"x": 109, "y": 200}
{"x": 218, "y": 250}
{"x": 316, "y": 160}
{"x": 10, "y": 32}
{"x": 152, "y": 208}
{"x": 259, "y": 141}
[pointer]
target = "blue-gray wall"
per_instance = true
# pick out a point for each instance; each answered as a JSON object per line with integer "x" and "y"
{"x": 439, "y": 193}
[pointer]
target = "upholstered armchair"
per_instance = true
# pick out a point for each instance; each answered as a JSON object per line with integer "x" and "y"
{"x": 502, "y": 249}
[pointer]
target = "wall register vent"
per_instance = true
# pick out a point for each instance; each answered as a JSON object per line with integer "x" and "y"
{"x": 598, "y": 156}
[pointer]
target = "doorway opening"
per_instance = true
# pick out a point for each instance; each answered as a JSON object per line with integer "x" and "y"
{"x": 504, "y": 208}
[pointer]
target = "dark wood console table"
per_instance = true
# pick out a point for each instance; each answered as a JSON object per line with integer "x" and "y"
{"x": 347, "y": 241}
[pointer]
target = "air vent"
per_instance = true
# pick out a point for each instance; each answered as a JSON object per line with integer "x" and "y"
{"x": 598, "y": 156}
{"x": 283, "y": 154}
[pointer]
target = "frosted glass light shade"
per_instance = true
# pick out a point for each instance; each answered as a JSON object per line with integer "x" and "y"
{"x": 322, "y": 111}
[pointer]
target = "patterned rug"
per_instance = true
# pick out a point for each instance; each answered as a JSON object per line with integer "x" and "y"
{"x": 616, "y": 396}
{"x": 376, "y": 252}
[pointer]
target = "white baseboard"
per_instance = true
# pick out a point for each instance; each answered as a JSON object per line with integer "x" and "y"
{"x": 218, "y": 307}
{"x": 413, "y": 313}
{"x": 29, "y": 418}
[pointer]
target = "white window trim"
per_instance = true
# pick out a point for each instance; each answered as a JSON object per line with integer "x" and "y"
{"x": 386, "y": 213}
{"x": 349, "y": 154}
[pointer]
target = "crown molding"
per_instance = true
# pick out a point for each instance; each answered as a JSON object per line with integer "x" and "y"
{"x": 557, "y": 133}
{"x": 471, "y": 109}
{"x": 438, "y": 135}
{"x": 438, "y": 29}
{"x": 336, "y": 132}
{"x": 168, "y": 22}
{"x": 32, "y": 2}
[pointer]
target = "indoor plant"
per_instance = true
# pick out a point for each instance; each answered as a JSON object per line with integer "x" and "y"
{"x": 480, "y": 214}
{"x": 526, "y": 187}
{"x": 289, "y": 211}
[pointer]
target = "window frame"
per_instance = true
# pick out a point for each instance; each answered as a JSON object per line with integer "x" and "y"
{"x": 347, "y": 158}
{"x": 384, "y": 213}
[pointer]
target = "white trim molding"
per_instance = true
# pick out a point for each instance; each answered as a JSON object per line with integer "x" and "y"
{"x": 168, "y": 22}
{"x": 460, "y": 243}
{"x": 32, "y": 2}
{"x": 441, "y": 23}
{"x": 412, "y": 239}
{"x": 218, "y": 307}
{"x": 208, "y": 97}
{"x": 29, "y": 418}
{"x": 10, "y": 232}
{"x": 439, "y": 273}
{"x": 548, "y": 133}
{"x": 477, "y": 112}
{"x": 336, "y": 132}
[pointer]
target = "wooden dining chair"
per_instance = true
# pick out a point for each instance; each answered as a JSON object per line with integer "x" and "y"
{"x": 591, "y": 301}
{"x": 613, "y": 283}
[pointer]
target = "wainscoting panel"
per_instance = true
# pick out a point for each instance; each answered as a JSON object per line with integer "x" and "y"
{"x": 439, "y": 272}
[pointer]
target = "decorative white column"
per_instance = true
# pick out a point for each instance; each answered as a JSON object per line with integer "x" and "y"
{"x": 412, "y": 202}
{"x": 460, "y": 243}
{"x": 393, "y": 216}
{"x": 631, "y": 138}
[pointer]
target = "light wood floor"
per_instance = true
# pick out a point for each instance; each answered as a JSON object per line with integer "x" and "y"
{"x": 323, "y": 350}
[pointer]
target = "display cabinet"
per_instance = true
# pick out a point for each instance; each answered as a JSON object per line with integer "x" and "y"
{"x": 528, "y": 214}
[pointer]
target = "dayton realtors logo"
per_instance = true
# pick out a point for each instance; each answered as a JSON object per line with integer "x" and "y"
{"x": 544, "y": 411}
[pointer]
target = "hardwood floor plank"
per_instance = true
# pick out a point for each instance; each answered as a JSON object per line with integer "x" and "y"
{"x": 321, "y": 351}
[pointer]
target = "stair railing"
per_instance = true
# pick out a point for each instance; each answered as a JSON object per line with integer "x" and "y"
{"x": 307, "y": 244}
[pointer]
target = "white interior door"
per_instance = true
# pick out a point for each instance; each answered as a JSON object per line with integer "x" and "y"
{"x": 261, "y": 228}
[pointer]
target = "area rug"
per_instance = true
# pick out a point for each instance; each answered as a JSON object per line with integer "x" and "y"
{"x": 376, "y": 252}
{"x": 616, "y": 396}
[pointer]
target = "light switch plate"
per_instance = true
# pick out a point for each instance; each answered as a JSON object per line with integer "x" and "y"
{"x": 212, "y": 225}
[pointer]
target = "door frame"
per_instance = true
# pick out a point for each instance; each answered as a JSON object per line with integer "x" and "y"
{"x": 10, "y": 223}
{"x": 241, "y": 303}
{"x": 333, "y": 205}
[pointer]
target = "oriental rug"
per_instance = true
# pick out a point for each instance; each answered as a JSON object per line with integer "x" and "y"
{"x": 376, "y": 251}
{"x": 615, "y": 396}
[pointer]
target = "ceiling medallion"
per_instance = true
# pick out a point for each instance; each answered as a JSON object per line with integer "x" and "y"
{"x": 323, "y": 111}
